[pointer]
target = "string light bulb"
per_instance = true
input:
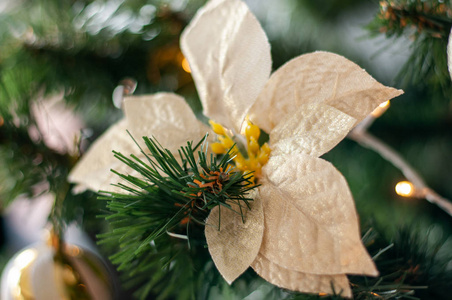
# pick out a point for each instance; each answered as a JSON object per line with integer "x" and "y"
{"x": 381, "y": 109}
{"x": 405, "y": 189}
{"x": 385, "y": 104}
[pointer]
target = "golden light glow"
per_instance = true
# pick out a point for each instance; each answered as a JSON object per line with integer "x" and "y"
{"x": 68, "y": 275}
{"x": 385, "y": 104}
{"x": 186, "y": 66}
{"x": 19, "y": 274}
{"x": 14, "y": 278}
{"x": 405, "y": 189}
{"x": 25, "y": 258}
{"x": 381, "y": 109}
{"x": 73, "y": 250}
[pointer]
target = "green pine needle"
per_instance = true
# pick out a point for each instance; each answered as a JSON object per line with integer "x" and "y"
{"x": 188, "y": 188}
{"x": 427, "y": 24}
{"x": 165, "y": 205}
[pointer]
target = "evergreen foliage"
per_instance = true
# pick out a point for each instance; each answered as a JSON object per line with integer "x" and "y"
{"x": 161, "y": 252}
{"x": 159, "y": 217}
{"x": 427, "y": 24}
{"x": 49, "y": 47}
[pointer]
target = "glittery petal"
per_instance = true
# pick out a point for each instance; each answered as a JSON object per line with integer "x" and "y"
{"x": 164, "y": 116}
{"x": 235, "y": 246}
{"x": 318, "y": 77}
{"x": 313, "y": 129}
{"x": 311, "y": 225}
{"x": 229, "y": 56}
{"x": 302, "y": 282}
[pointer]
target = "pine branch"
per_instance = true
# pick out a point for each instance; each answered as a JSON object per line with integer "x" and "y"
{"x": 408, "y": 266}
{"x": 164, "y": 206}
{"x": 365, "y": 139}
{"x": 417, "y": 17}
{"x": 168, "y": 199}
{"x": 427, "y": 24}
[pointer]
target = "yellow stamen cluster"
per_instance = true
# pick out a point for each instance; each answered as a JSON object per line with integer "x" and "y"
{"x": 257, "y": 155}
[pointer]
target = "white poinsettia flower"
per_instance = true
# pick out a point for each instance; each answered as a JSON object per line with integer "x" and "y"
{"x": 302, "y": 232}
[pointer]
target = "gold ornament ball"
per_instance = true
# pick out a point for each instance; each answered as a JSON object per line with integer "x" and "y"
{"x": 40, "y": 272}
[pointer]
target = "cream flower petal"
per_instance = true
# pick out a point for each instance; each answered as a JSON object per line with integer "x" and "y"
{"x": 302, "y": 282}
{"x": 235, "y": 246}
{"x": 313, "y": 129}
{"x": 229, "y": 56}
{"x": 310, "y": 220}
{"x": 93, "y": 170}
{"x": 165, "y": 116}
{"x": 318, "y": 77}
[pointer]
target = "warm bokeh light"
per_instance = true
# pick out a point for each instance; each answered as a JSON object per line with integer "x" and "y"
{"x": 14, "y": 275}
{"x": 385, "y": 104}
{"x": 73, "y": 250}
{"x": 381, "y": 109}
{"x": 25, "y": 258}
{"x": 405, "y": 189}
{"x": 186, "y": 66}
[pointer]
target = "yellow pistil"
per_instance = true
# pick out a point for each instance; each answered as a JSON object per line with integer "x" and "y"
{"x": 217, "y": 128}
{"x": 257, "y": 155}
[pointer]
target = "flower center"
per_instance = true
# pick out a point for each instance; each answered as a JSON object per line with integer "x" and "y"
{"x": 254, "y": 157}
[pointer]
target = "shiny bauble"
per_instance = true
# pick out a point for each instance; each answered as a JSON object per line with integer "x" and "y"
{"x": 40, "y": 272}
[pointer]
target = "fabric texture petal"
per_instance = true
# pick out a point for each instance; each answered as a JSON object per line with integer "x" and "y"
{"x": 313, "y": 129}
{"x": 302, "y": 282}
{"x": 311, "y": 225}
{"x": 319, "y": 77}
{"x": 229, "y": 56}
{"x": 93, "y": 170}
{"x": 235, "y": 246}
{"x": 165, "y": 116}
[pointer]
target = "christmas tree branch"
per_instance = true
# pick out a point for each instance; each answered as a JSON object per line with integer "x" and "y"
{"x": 427, "y": 25}
{"x": 365, "y": 139}
{"x": 157, "y": 220}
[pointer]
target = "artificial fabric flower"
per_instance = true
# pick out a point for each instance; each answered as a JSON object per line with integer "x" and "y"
{"x": 302, "y": 231}
{"x": 165, "y": 116}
